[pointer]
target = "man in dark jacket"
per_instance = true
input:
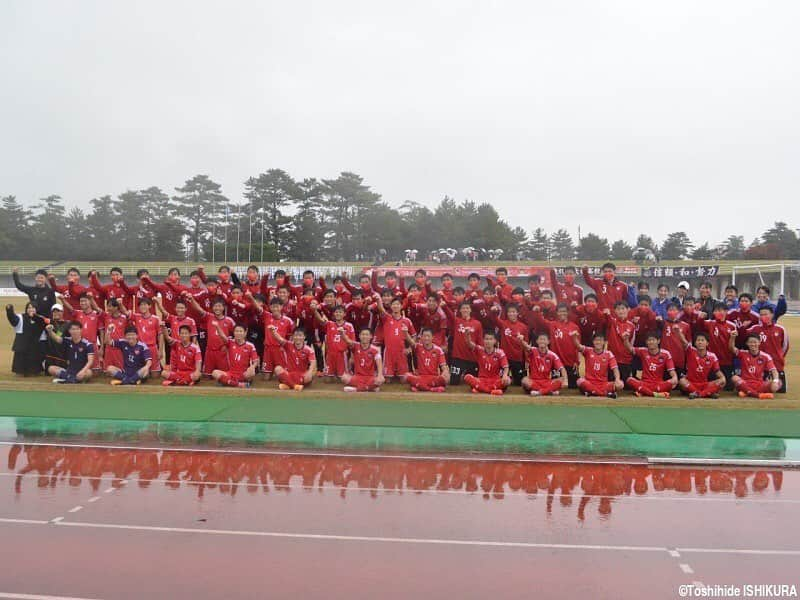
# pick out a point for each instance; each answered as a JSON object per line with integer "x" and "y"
{"x": 41, "y": 295}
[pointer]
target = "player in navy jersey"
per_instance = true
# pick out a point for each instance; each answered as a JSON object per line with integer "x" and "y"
{"x": 79, "y": 354}
{"x": 136, "y": 359}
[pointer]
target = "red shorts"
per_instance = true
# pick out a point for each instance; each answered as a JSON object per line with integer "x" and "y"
{"x": 155, "y": 366}
{"x": 112, "y": 357}
{"x": 273, "y": 357}
{"x": 426, "y": 382}
{"x": 704, "y": 389}
{"x": 215, "y": 360}
{"x": 395, "y": 363}
{"x": 484, "y": 384}
{"x": 335, "y": 364}
{"x": 596, "y": 388}
{"x": 362, "y": 382}
{"x": 750, "y": 386}
{"x": 233, "y": 378}
{"x": 545, "y": 386}
{"x": 181, "y": 377}
{"x": 293, "y": 378}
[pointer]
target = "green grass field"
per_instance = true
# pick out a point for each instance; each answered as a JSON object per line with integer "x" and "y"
{"x": 395, "y": 391}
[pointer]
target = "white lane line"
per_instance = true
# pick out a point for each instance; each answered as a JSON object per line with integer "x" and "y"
{"x": 686, "y": 568}
{"x": 24, "y": 521}
{"x": 75, "y": 509}
{"x": 57, "y": 520}
{"x": 93, "y": 499}
{"x": 37, "y": 597}
{"x": 109, "y": 490}
{"x": 741, "y": 551}
{"x": 674, "y": 554}
{"x": 479, "y": 492}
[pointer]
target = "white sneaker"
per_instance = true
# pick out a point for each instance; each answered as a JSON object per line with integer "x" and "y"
{"x": 57, "y": 380}
{"x": 350, "y": 388}
{"x": 535, "y": 393}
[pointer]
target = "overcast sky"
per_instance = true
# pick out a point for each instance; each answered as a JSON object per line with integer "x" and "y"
{"x": 618, "y": 116}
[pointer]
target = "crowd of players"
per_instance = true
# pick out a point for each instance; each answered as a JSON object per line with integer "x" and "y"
{"x": 489, "y": 335}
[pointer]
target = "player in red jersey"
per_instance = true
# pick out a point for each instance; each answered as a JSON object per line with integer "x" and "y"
{"x": 655, "y": 362}
{"x": 72, "y": 290}
{"x": 253, "y": 282}
{"x": 644, "y": 320}
{"x": 430, "y": 366}
{"x": 569, "y": 291}
{"x": 179, "y": 318}
{"x": 618, "y": 330}
{"x": 542, "y": 363}
{"x": 274, "y": 322}
{"x": 366, "y": 365}
{"x": 774, "y": 341}
{"x": 91, "y": 319}
{"x": 397, "y": 332}
{"x": 138, "y": 291}
{"x": 462, "y": 359}
{"x": 701, "y": 366}
{"x": 672, "y": 342}
{"x": 474, "y": 291}
{"x": 300, "y": 363}
{"x": 598, "y": 364}
{"x": 113, "y": 290}
{"x": 719, "y": 331}
{"x": 500, "y": 284}
{"x": 492, "y": 366}
{"x": 358, "y": 310}
{"x": 744, "y": 317}
{"x": 223, "y": 278}
{"x": 336, "y": 346}
{"x": 114, "y": 325}
{"x": 148, "y": 327}
{"x": 240, "y": 309}
{"x": 242, "y": 358}
{"x": 589, "y": 318}
{"x": 394, "y": 284}
{"x": 690, "y": 315}
{"x": 215, "y": 357}
{"x": 756, "y": 366}
{"x": 185, "y": 358}
{"x": 609, "y": 289}
{"x": 430, "y": 315}
{"x": 170, "y": 290}
{"x": 560, "y": 340}
{"x": 510, "y": 329}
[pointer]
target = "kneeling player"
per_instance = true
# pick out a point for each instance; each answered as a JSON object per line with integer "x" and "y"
{"x": 700, "y": 366}
{"x": 185, "y": 358}
{"x": 755, "y": 367}
{"x": 492, "y": 366}
{"x": 242, "y": 359}
{"x": 430, "y": 372}
{"x": 78, "y": 352}
{"x": 136, "y": 359}
{"x": 598, "y": 364}
{"x": 655, "y": 362}
{"x": 300, "y": 363}
{"x": 365, "y": 363}
{"x": 541, "y": 363}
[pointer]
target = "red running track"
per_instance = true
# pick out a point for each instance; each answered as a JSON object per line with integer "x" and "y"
{"x": 86, "y": 522}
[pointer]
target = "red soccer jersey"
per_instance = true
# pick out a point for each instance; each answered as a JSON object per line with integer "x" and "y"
{"x": 71, "y": 292}
{"x": 608, "y": 292}
{"x": 111, "y": 291}
{"x": 644, "y": 320}
{"x": 184, "y": 358}
{"x": 460, "y": 327}
{"x": 490, "y": 364}
{"x": 394, "y": 338}
{"x": 148, "y": 328}
{"x": 509, "y": 330}
{"x": 364, "y": 360}
{"x": 615, "y": 328}
{"x": 598, "y": 364}
{"x": 334, "y": 339}
{"x": 120, "y": 323}
{"x": 541, "y": 366}
{"x": 755, "y": 366}
{"x": 589, "y": 323}
{"x": 298, "y": 360}
{"x": 240, "y": 356}
{"x": 359, "y": 316}
{"x": 565, "y": 292}
{"x": 744, "y": 320}
{"x": 719, "y": 334}
{"x": 215, "y": 342}
{"x": 240, "y": 312}
{"x": 283, "y": 325}
{"x": 672, "y": 344}
{"x": 774, "y": 342}
{"x": 428, "y": 360}
{"x": 699, "y": 368}
{"x": 175, "y": 323}
{"x": 436, "y": 320}
{"x": 655, "y": 365}
{"x": 91, "y": 324}
{"x": 561, "y": 338}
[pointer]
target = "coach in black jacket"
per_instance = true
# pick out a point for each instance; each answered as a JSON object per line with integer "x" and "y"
{"x": 41, "y": 295}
